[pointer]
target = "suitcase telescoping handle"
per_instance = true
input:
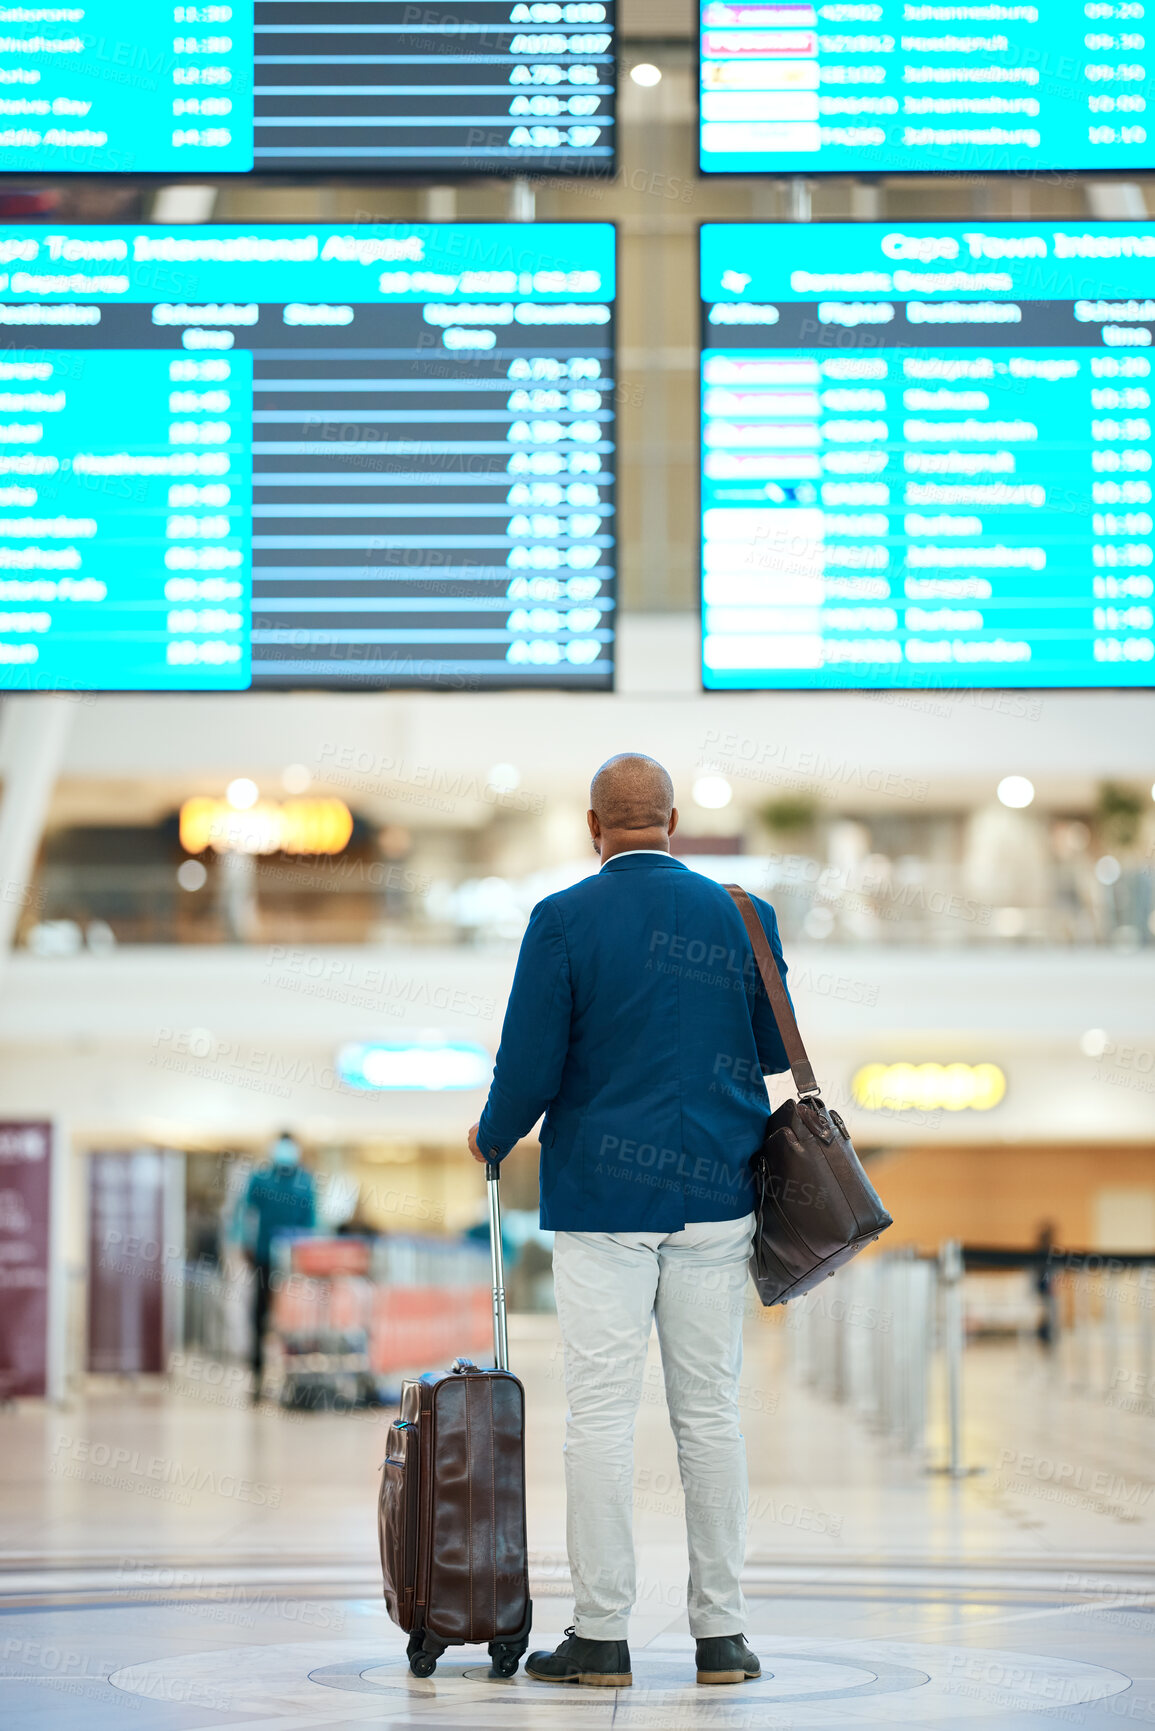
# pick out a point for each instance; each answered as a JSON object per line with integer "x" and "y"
{"x": 500, "y": 1332}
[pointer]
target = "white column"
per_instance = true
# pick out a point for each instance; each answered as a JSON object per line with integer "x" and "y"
{"x": 800, "y": 198}
{"x": 33, "y": 735}
{"x": 522, "y": 200}
{"x": 1119, "y": 199}
{"x": 866, "y": 201}
{"x": 184, "y": 203}
{"x": 439, "y": 204}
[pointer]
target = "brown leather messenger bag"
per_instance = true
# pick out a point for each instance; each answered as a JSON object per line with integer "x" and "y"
{"x": 816, "y": 1207}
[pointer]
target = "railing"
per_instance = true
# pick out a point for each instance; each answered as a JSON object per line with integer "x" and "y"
{"x": 923, "y": 900}
{"x": 910, "y": 901}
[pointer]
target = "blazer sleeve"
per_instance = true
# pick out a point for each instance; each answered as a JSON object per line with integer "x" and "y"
{"x": 534, "y": 1035}
{"x": 771, "y": 1052}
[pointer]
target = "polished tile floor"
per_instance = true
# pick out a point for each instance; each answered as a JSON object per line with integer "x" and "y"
{"x": 173, "y": 1561}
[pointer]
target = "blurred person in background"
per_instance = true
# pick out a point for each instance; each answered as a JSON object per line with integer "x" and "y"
{"x": 280, "y": 1197}
{"x": 1047, "y": 1330}
{"x": 638, "y": 1023}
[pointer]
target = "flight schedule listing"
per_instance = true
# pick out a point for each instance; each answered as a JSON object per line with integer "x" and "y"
{"x": 229, "y": 86}
{"x": 123, "y": 86}
{"x": 292, "y": 456}
{"x": 488, "y": 86}
{"x": 927, "y": 455}
{"x": 894, "y": 86}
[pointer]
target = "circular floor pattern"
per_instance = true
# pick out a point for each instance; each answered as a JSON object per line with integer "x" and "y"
{"x": 657, "y": 1680}
{"x": 826, "y": 1684}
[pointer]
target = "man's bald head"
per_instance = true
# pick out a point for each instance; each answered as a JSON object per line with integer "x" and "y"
{"x": 632, "y": 792}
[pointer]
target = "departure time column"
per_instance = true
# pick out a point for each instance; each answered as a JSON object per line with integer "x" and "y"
{"x": 1116, "y": 73}
{"x": 1122, "y": 522}
{"x": 212, "y": 103}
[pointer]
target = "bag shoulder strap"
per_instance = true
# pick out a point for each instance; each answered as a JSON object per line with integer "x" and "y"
{"x": 800, "y": 1066}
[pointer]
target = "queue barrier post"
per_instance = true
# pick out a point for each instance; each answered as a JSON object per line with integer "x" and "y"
{"x": 864, "y": 1340}
{"x": 951, "y": 1272}
{"x": 1145, "y": 1299}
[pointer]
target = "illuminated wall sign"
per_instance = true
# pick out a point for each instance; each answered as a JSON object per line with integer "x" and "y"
{"x": 415, "y": 1065}
{"x": 928, "y": 1087}
{"x": 302, "y": 826}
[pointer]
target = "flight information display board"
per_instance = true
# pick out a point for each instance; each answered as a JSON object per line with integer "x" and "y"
{"x": 380, "y": 86}
{"x": 901, "y": 87}
{"x": 926, "y": 455}
{"x": 291, "y": 456}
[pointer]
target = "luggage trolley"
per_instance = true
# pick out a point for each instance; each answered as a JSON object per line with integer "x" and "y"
{"x": 322, "y": 1315}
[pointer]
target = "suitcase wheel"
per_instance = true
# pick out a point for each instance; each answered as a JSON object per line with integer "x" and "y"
{"x": 504, "y": 1659}
{"x": 422, "y": 1659}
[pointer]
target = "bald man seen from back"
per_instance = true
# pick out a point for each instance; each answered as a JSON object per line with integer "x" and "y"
{"x": 638, "y": 1025}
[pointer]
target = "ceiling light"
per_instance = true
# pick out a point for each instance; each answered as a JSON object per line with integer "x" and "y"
{"x": 646, "y": 74}
{"x": 242, "y": 794}
{"x": 712, "y": 791}
{"x": 505, "y": 777}
{"x": 1016, "y": 791}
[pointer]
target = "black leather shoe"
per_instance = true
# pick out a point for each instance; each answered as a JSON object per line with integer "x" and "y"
{"x": 726, "y": 1659}
{"x": 605, "y": 1663}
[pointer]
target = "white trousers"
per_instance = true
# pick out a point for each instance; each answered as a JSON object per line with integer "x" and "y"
{"x": 610, "y": 1287}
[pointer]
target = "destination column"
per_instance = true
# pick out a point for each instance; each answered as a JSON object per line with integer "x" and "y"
{"x": 131, "y": 554}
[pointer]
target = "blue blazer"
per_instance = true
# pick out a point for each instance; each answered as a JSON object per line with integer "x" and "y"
{"x": 638, "y": 1024}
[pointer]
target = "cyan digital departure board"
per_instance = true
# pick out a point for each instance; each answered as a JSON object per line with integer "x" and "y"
{"x": 372, "y": 86}
{"x": 926, "y": 455}
{"x": 289, "y": 456}
{"x": 906, "y": 86}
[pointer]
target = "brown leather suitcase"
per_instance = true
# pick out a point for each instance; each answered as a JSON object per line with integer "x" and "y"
{"x": 451, "y": 1515}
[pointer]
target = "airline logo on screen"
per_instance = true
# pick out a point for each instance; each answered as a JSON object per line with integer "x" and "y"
{"x": 898, "y": 85}
{"x": 926, "y": 455}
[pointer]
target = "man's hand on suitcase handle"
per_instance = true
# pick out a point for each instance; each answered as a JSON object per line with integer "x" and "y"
{"x": 489, "y": 1161}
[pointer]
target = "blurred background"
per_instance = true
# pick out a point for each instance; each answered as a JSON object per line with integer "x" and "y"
{"x": 960, "y": 880}
{"x": 227, "y": 893}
